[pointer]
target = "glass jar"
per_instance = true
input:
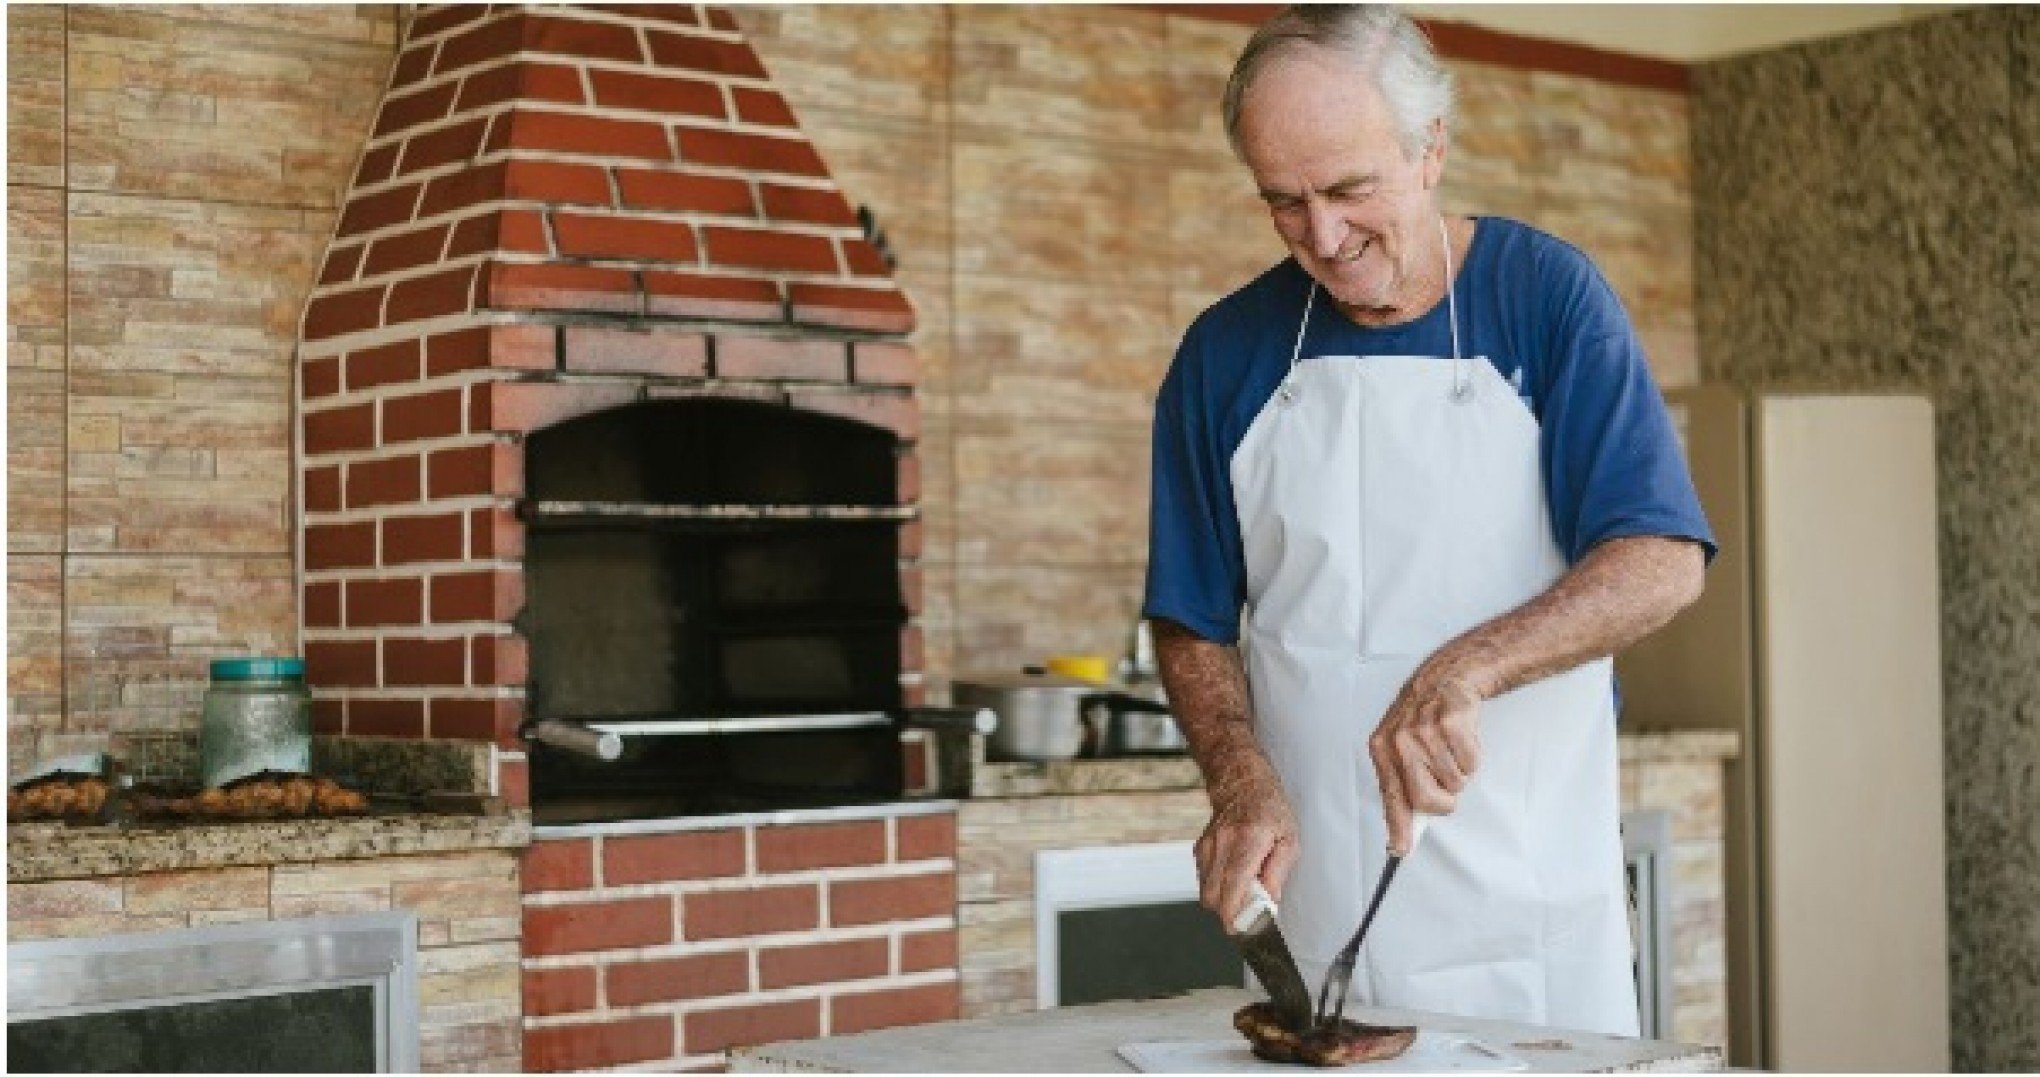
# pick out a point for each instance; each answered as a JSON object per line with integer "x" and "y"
{"x": 258, "y": 717}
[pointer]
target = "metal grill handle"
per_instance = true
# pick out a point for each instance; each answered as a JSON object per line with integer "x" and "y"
{"x": 577, "y": 738}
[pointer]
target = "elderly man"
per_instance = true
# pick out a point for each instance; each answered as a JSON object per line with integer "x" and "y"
{"x": 1412, "y": 487}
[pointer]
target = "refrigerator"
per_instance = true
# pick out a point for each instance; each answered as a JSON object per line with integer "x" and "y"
{"x": 1818, "y": 641}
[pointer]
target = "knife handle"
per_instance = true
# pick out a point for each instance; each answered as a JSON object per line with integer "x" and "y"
{"x": 1258, "y": 905}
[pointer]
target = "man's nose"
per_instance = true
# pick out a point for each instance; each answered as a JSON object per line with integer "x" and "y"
{"x": 1327, "y": 230}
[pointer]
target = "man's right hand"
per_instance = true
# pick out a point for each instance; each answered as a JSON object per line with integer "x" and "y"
{"x": 1252, "y": 834}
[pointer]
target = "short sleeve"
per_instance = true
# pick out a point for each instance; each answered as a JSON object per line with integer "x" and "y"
{"x": 1196, "y": 574}
{"x": 1612, "y": 462}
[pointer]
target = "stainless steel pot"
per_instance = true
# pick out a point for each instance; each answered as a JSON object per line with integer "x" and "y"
{"x": 1041, "y": 715}
{"x": 1126, "y": 723}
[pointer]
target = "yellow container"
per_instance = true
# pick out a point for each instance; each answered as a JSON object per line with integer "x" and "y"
{"x": 1095, "y": 668}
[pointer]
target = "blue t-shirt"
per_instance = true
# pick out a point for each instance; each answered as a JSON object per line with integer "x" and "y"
{"x": 1533, "y": 304}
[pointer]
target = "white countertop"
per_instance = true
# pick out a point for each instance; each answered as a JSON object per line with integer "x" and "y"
{"x": 1086, "y": 1039}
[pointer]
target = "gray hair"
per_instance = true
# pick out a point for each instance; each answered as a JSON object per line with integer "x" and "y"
{"x": 1381, "y": 40}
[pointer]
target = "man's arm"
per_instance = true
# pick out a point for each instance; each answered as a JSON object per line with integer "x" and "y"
{"x": 1252, "y": 832}
{"x": 1428, "y": 743}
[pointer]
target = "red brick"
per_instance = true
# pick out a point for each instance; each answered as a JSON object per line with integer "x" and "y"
{"x": 486, "y": 594}
{"x": 489, "y": 41}
{"x": 454, "y": 142}
{"x": 424, "y": 663}
{"x": 910, "y": 539}
{"x": 598, "y": 925}
{"x": 583, "y": 236}
{"x": 910, "y": 591}
{"x": 430, "y": 296}
{"x": 820, "y": 963}
{"x": 466, "y": 471}
{"x": 416, "y": 63}
{"x": 401, "y": 112}
{"x": 762, "y": 107}
{"x": 550, "y": 82}
{"x": 729, "y": 914}
{"x": 424, "y": 415}
{"x": 708, "y": 1031}
{"x": 758, "y": 249}
{"x": 462, "y": 189}
{"x": 521, "y": 407}
{"x": 694, "y": 295}
{"x": 764, "y": 153}
{"x": 396, "y": 601}
{"x": 879, "y": 363}
{"x": 926, "y": 837}
{"x": 513, "y": 782}
{"x": 646, "y": 189}
{"x": 821, "y": 845}
{"x": 893, "y": 1007}
{"x": 339, "y": 546}
{"x": 499, "y": 660}
{"x": 344, "y": 312}
{"x": 380, "y": 210}
{"x": 561, "y": 287}
{"x": 520, "y": 230}
{"x": 322, "y": 605}
{"x": 594, "y": 135}
{"x": 406, "y": 250}
{"x": 704, "y": 54}
{"x": 432, "y": 20}
{"x": 409, "y": 539}
{"x": 340, "y": 429}
{"x": 895, "y": 412}
{"x": 781, "y": 359}
{"x": 601, "y": 1043}
{"x": 863, "y": 260}
{"x": 912, "y": 651}
{"x": 340, "y": 663}
{"x": 655, "y": 93}
{"x": 657, "y": 352}
{"x": 489, "y": 719}
{"x": 382, "y": 365}
{"x": 383, "y": 482}
{"x": 881, "y": 310}
{"x": 464, "y": 349}
{"x": 550, "y": 991}
{"x": 824, "y": 205}
{"x": 329, "y": 717}
{"x": 524, "y": 346}
{"x": 678, "y": 14}
{"x": 321, "y": 377}
{"x": 341, "y": 264}
{"x": 923, "y": 950}
{"x": 690, "y": 854}
{"x": 322, "y": 489}
{"x": 557, "y": 181}
{"x": 582, "y": 39}
{"x": 872, "y": 901}
{"x": 674, "y": 979}
{"x": 490, "y": 86}
{"x": 559, "y": 864}
{"x": 721, "y": 19}
{"x": 495, "y": 532}
{"x": 386, "y": 717}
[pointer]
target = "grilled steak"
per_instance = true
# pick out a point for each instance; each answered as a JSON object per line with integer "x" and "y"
{"x": 1344, "y": 1045}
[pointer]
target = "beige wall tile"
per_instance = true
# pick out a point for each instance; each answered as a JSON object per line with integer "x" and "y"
{"x": 1053, "y": 493}
{"x": 1219, "y": 232}
{"x": 65, "y": 897}
{"x": 35, "y": 655}
{"x": 35, "y": 366}
{"x": 1105, "y": 77}
{"x": 244, "y": 104}
{"x": 1014, "y": 615}
{"x": 35, "y": 95}
{"x": 139, "y": 631}
{"x": 910, "y": 205}
{"x": 231, "y": 889}
{"x": 1201, "y": 55}
{"x": 1074, "y": 349}
{"x": 889, "y": 60}
{"x": 1040, "y": 207}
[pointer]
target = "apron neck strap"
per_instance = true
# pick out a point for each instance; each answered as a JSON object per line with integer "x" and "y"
{"x": 1462, "y": 380}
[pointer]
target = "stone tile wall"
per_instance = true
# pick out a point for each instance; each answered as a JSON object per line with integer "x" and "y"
{"x": 1057, "y": 187}
{"x": 1900, "y": 250}
{"x": 466, "y": 903}
{"x": 172, "y": 178}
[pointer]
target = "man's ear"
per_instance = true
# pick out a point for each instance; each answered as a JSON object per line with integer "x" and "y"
{"x": 1434, "y": 155}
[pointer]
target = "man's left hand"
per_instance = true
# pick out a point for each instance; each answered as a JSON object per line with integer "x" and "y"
{"x": 1426, "y": 749}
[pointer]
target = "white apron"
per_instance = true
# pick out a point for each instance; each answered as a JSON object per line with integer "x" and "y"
{"x": 1387, "y": 504}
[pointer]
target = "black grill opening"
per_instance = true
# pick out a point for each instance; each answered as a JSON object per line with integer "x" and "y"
{"x": 691, "y": 562}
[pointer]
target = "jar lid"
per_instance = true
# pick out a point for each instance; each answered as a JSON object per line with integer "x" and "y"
{"x": 253, "y": 669}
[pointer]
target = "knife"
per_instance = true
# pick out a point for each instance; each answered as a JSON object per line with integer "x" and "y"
{"x": 1260, "y": 941}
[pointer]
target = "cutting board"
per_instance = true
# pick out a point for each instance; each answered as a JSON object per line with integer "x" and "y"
{"x": 1432, "y": 1052}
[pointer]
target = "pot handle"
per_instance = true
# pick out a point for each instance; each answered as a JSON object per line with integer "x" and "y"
{"x": 1123, "y": 701}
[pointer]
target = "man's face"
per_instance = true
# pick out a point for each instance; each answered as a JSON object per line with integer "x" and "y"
{"x": 1322, "y": 145}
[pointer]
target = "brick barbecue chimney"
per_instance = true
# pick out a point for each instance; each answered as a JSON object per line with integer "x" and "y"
{"x": 559, "y": 211}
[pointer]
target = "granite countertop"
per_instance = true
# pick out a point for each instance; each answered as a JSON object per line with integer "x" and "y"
{"x": 1086, "y": 1039}
{"x": 41, "y": 851}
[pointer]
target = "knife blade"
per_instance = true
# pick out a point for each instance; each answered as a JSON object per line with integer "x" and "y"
{"x": 1258, "y": 936}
